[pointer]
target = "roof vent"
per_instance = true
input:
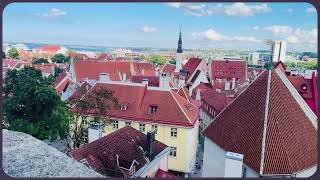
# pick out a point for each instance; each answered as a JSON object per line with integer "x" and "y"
{"x": 304, "y": 86}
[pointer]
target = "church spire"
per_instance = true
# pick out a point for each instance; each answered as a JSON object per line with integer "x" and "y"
{"x": 179, "y": 50}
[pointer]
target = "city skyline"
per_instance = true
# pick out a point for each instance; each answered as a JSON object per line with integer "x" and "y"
{"x": 204, "y": 25}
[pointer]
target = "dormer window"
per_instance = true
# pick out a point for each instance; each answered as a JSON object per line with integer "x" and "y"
{"x": 153, "y": 109}
{"x": 123, "y": 107}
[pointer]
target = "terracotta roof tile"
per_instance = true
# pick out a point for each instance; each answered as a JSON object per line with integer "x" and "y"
{"x": 172, "y": 108}
{"x": 291, "y": 138}
{"x": 228, "y": 69}
{"x": 101, "y": 154}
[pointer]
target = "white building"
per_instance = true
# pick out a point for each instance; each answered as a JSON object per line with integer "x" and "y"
{"x": 278, "y": 51}
{"x": 267, "y": 131}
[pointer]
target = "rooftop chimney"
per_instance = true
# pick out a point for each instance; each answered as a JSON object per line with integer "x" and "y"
{"x": 234, "y": 165}
{"x": 145, "y": 81}
{"x": 104, "y": 77}
{"x": 150, "y": 144}
{"x": 164, "y": 80}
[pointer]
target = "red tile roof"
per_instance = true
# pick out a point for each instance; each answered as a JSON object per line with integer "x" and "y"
{"x": 168, "y": 68}
{"x": 310, "y": 94}
{"x": 228, "y": 69}
{"x": 79, "y": 92}
{"x": 291, "y": 137}
{"x": 163, "y": 174}
{"x": 52, "y": 48}
{"x": 125, "y": 143}
{"x": 173, "y": 109}
{"x": 91, "y": 69}
{"x": 191, "y": 66}
{"x": 62, "y": 82}
{"x": 10, "y": 63}
{"x": 152, "y": 80}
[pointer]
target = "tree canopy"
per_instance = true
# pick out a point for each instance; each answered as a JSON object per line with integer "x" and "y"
{"x": 60, "y": 58}
{"x": 39, "y": 60}
{"x": 13, "y": 53}
{"x": 99, "y": 101}
{"x": 158, "y": 59}
{"x": 57, "y": 71}
{"x": 31, "y": 105}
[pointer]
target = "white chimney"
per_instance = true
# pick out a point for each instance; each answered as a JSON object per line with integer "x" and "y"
{"x": 234, "y": 165}
{"x": 227, "y": 85}
{"x": 124, "y": 77}
{"x": 145, "y": 82}
{"x": 164, "y": 80}
{"x": 104, "y": 77}
{"x": 233, "y": 85}
{"x": 142, "y": 72}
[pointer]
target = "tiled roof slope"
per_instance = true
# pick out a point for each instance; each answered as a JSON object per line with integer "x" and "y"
{"x": 290, "y": 137}
{"x": 101, "y": 154}
{"x": 172, "y": 108}
{"x": 91, "y": 69}
{"x": 168, "y": 68}
{"x": 291, "y": 140}
{"x": 191, "y": 66}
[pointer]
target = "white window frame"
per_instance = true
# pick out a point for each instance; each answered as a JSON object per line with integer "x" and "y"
{"x": 173, "y": 151}
{"x": 174, "y": 132}
{"x": 115, "y": 124}
{"x": 153, "y": 109}
{"x": 128, "y": 123}
{"x": 123, "y": 107}
{"x": 142, "y": 125}
{"x": 155, "y": 127}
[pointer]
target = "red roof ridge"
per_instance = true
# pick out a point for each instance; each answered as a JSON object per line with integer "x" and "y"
{"x": 84, "y": 94}
{"x": 171, "y": 92}
{"x": 265, "y": 122}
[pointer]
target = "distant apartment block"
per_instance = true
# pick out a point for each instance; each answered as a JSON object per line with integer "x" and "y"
{"x": 278, "y": 51}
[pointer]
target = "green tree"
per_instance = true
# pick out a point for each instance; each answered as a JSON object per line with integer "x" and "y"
{"x": 39, "y": 60}
{"x": 60, "y": 58}
{"x": 31, "y": 105}
{"x": 172, "y": 61}
{"x": 158, "y": 59}
{"x": 13, "y": 53}
{"x": 99, "y": 101}
{"x": 57, "y": 71}
{"x": 269, "y": 65}
{"x": 77, "y": 57}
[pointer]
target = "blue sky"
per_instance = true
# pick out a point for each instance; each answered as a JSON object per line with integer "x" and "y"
{"x": 204, "y": 25}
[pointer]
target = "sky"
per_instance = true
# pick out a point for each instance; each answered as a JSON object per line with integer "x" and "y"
{"x": 204, "y": 25}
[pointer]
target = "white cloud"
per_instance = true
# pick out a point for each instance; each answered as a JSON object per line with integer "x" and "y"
{"x": 212, "y": 35}
{"x": 294, "y": 35}
{"x": 236, "y": 9}
{"x": 279, "y": 30}
{"x": 175, "y": 5}
{"x": 290, "y": 10}
{"x": 241, "y": 9}
{"x": 256, "y": 28}
{"x": 148, "y": 29}
{"x": 52, "y": 13}
{"x": 311, "y": 10}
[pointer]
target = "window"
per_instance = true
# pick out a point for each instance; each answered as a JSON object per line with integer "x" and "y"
{"x": 142, "y": 127}
{"x": 153, "y": 109}
{"x": 155, "y": 127}
{"x": 123, "y": 107}
{"x": 115, "y": 124}
{"x": 173, "y": 151}
{"x": 174, "y": 132}
{"x": 128, "y": 123}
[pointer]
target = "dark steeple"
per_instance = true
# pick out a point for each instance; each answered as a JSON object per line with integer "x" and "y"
{"x": 179, "y": 50}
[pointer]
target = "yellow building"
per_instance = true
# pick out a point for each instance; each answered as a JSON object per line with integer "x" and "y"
{"x": 167, "y": 111}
